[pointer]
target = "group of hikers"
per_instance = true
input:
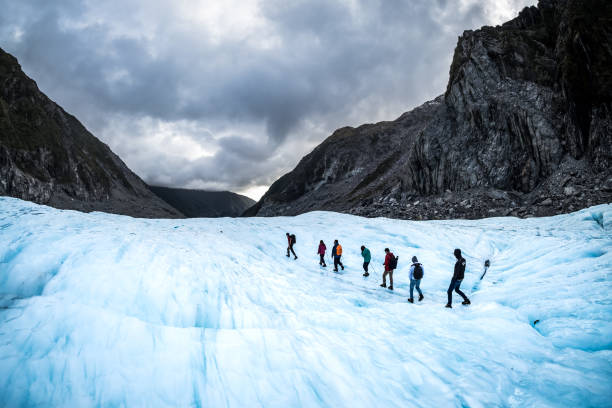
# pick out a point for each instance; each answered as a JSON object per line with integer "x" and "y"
{"x": 417, "y": 270}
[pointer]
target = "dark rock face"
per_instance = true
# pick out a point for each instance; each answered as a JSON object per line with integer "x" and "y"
{"x": 524, "y": 128}
{"x": 47, "y": 156}
{"x": 199, "y": 203}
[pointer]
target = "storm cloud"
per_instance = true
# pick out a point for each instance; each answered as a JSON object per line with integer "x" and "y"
{"x": 231, "y": 94}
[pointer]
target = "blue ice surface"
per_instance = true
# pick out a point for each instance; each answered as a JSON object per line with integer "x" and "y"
{"x": 107, "y": 310}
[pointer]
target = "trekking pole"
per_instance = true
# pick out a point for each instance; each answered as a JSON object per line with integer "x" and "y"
{"x": 486, "y": 268}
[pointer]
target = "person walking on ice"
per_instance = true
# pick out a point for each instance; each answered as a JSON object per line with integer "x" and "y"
{"x": 321, "y": 252}
{"x": 337, "y": 254}
{"x": 291, "y": 241}
{"x": 390, "y": 264}
{"x": 367, "y": 257}
{"x": 416, "y": 274}
{"x": 458, "y": 275}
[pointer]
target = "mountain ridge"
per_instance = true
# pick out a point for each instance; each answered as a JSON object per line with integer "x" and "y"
{"x": 202, "y": 203}
{"x": 47, "y": 156}
{"x": 523, "y": 128}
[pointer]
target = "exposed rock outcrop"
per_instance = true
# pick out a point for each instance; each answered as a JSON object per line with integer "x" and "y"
{"x": 200, "y": 203}
{"x": 47, "y": 156}
{"x": 524, "y": 128}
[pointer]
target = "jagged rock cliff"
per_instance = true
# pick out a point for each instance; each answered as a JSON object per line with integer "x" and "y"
{"x": 524, "y": 128}
{"x": 47, "y": 156}
{"x": 200, "y": 203}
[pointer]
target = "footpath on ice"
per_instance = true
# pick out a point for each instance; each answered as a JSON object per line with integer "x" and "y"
{"x": 106, "y": 310}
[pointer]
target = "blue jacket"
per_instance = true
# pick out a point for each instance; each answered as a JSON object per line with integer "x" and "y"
{"x": 367, "y": 257}
{"x": 412, "y": 271}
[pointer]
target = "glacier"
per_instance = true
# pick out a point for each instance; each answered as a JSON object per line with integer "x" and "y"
{"x": 106, "y": 310}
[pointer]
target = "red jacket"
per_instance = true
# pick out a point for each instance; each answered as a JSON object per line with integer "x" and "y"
{"x": 388, "y": 260}
{"x": 322, "y": 249}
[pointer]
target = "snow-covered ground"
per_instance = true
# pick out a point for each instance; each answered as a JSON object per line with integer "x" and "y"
{"x": 106, "y": 310}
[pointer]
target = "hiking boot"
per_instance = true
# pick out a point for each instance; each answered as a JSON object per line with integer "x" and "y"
{"x": 287, "y": 255}
{"x": 342, "y": 266}
{"x": 390, "y": 287}
{"x": 325, "y": 266}
{"x": 466, "y": 302}
{"x": 335, "y": 270}
{"x": 448, "y": 305}
{"x": 411, "y": 300}
{"x": 366, "y": 274}
{"x": 383, "y": 285}
{"x": 295, "y": 258}
{"x": 421, "y": 297}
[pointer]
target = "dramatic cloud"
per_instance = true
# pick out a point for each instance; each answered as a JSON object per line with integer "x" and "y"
{"x": 230, "y": 94}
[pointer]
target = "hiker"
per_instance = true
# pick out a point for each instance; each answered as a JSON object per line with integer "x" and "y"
{"x": 367, "y": 257}
{"x": 337, "y": 253}
{"x": 291, "y": 241}
{"x": 389, "y": 266}
{"x": 321, "y": 252}
{"x": 458, "y": 275}
{"x": 416, "y": 274}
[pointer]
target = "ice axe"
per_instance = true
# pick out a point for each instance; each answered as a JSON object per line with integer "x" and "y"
{"x": 486, "y": 268}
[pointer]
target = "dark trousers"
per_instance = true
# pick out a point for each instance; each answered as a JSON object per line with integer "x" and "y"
{"x": 322, "y": 260}
{"x": 337, "y": 262}
{"x": 365, "y": 266}
{"x": 454, "y": 285}
{"x": 390, "y": 273}
{"x": 290, "y": 248}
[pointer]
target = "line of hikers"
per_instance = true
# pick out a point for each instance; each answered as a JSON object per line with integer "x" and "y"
{"x": 417, "y": 270}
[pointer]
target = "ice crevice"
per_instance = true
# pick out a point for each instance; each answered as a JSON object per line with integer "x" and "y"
{"x": 99, "y": 309}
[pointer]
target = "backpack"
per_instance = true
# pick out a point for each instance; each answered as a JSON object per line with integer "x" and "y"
{"x": 417, "y": 273}
{"x": 393, "y": 262}
{"x": 293, "y": 240}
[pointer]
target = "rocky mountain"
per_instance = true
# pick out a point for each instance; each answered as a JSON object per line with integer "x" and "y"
{"x": 200, "y": 203}
{"x": 524, "y": 128}
{"x": 47, "y": 156}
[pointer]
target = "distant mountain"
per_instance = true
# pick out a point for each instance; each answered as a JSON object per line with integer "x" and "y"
{"x": 200, "y": 203}
{"x": 524, "y": 128}
{"x": 47, "y": 156}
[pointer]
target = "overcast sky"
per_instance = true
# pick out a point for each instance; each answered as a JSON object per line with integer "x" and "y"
{"x": 230, "y": 94}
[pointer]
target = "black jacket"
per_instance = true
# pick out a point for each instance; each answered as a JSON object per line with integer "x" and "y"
{"x": 459, "y": 269}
